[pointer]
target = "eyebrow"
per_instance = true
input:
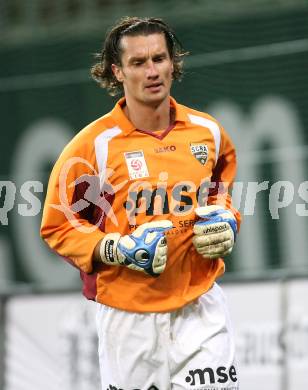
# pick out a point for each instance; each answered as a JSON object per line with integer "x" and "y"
{"x": 142, "y": 58}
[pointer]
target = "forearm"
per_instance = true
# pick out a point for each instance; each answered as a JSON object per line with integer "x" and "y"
{"x": 96, "y": 257}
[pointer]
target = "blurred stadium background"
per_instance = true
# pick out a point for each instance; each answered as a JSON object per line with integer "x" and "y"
{"x": 249, "y": 68}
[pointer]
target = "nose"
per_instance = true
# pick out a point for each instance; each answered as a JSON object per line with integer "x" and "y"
{"x": 151, "y": 71}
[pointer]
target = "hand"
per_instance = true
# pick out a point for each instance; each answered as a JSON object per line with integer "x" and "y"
{"x": 215, "y": 232}
{"x": 144, "y": 250}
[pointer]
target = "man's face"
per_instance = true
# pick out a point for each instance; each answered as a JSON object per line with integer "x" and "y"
{"x": 146, "y": 68}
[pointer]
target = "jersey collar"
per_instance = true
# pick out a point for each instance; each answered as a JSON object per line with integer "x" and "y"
{"x": 127, "y": 127}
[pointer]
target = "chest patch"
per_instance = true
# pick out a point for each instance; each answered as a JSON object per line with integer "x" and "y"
{"x": 136, "y": 165}
{"x": 200, "y": 152}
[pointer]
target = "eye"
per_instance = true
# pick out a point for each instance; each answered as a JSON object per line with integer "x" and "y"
{"x": 137, "y": 63}
{"x": 159, "y": 59}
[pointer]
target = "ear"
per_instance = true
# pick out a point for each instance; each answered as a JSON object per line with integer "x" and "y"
{"x": 117, "y": 71}
{"x": 172, "y": 69}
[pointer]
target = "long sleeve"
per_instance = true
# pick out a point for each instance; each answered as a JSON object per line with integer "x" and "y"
{"x": 70, "y": 224}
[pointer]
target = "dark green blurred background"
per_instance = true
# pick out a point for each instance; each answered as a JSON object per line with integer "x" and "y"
{"x": 248, "y": 68}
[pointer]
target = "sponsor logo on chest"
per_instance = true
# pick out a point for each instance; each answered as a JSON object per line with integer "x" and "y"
{"x": 165, "y": 149}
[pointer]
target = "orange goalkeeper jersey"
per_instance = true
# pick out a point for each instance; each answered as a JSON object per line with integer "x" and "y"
{"x": 113, "y": 177}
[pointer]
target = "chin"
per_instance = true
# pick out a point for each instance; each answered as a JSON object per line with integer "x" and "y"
{"x": 158, "y": 98}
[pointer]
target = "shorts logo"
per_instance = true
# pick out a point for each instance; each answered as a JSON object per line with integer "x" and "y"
{"x": 137, "y": 167}
{"x": 200, "y": 152}
{"x": 210, "y": 376}
{"x": 111, "y": 387}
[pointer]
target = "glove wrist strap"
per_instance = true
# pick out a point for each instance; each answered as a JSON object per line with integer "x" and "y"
{"x": 108, "y": 249}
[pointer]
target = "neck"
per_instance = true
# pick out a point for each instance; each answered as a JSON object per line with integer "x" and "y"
{"x": 146, "y": 117}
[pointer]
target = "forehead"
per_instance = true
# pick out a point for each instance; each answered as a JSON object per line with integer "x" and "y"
{"x": 143, "y": 45}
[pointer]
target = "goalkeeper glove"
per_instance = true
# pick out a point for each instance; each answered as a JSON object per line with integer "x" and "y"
{"x": 215, "y": 232}
{"x": 144, "y": 250}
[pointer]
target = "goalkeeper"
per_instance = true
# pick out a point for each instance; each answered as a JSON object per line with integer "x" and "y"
{"x": 138, "y": 202}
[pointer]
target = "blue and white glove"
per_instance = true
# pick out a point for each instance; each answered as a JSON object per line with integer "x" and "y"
{"x": 215, "y": 232}
{"x": 144, "y": 250}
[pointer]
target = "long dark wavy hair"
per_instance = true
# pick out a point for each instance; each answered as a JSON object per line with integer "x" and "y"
{"x": 111, "y": 51}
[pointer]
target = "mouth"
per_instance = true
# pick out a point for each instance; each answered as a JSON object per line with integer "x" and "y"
{"x": 154, "y": 87}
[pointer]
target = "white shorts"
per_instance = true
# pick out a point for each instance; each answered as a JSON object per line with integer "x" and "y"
{"x": 190, "y": 348}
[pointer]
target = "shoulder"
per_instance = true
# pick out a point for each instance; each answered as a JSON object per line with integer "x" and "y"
{"x": 82, "y": 148}
{"x": 95, "y": 128}
{"x": 85, "y": 138}
{"x": 211, "y": 124}
{"x": 203, "y": 120}
{"x": 199, "y": 116}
